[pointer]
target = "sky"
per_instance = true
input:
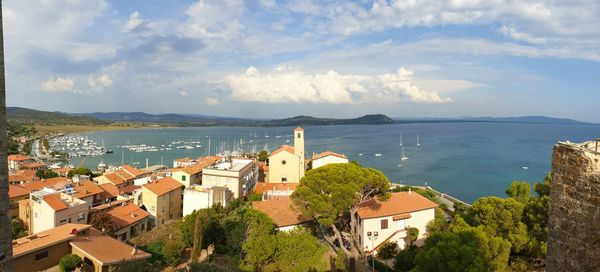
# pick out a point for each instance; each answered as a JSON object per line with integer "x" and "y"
{"x": 274, "y": 59}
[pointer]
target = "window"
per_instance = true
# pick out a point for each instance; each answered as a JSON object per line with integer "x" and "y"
{"x": 40, "y": 256}
{"x": 283, "y": 178}
{"x": 283, "y": 162}
{"x": 153, "y": 208}
{"x": 384, "y": 224}
{"x": 183, "y": 178}
{"x": 142, "y": 227}
{"x": 124, "y": 236}
{"x": 359, "y": 239}
{"x": 80, "y": 217}
{"x": 299, "y": 135}
{"x": 63, "y": 221}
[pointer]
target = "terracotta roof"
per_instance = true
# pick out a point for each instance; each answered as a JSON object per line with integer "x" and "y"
{"x": 262, "y": 187}
{"x": 46, "y": 239}
{"x": 105, "y": 249}
{"x": 398, "y": 203}
{"x": 281, "y": 211}
{"x": 16, "y": 191}
{"x": 328, "y": 153}
{"x": 299, "y": 129}
{"x": 115, "y": 178}
{"x": 129, "y": 189}
{"x": 58, "y": 182}
{"x": 125, "y": 215}
{"x": 197, "y": 168}
{"x": 33, "y": 165}
{"x": 110, "y": 205}
{"x": 18, "y": 157}
{"x": 55, "y": 202}
{"x": 285, "y": 148}
{"x": 23, "y": 175}
{"x": 124, "y": 174}
{"x": 163, "y": 186}
{"x": 62, "y": 171}
{"x": 134, "y": 171}
{"x": 184, "y": 160}
{"x": 110, "y": 190}
{"x": 191, "y": 170}
{"x": 86, "y": 188}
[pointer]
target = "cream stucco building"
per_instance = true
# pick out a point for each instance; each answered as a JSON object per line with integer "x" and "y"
{"x": 287, "y": 163}
{"x": 327, "y": 157}
{"x": 163, "y": 199}
{"x": 48, "y": 208}
{"x": 238, "y": 175}
{"x": 389, "y": 220}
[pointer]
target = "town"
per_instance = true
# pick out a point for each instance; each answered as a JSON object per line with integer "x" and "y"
{"x": 97, "y": 214}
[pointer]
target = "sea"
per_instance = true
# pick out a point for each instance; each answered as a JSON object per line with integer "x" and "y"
{"x": 467, "y": 160}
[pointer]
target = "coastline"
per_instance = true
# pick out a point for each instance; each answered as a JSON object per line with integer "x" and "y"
{"x": 69, "y": 129}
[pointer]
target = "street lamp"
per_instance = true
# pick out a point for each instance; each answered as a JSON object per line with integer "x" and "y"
{"x": 373, "y": 236}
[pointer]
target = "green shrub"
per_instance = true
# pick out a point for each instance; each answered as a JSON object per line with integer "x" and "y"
{"x": 388, "y": 250}
{"x": 69, "y": 263}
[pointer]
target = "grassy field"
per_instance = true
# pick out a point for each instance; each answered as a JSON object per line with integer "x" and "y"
{"x": 50, "y": 129}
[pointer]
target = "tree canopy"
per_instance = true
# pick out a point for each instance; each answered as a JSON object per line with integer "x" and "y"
{"x": 464, "y": 248}
{"x": 330, "y": 192}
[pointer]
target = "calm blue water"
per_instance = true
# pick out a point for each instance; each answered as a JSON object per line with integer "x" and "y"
{"x": 467, "y": 160}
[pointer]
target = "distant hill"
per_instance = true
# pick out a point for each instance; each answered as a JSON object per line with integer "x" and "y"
{"x": 29, "y": 116}
{"x": 203, "y": 120}
{"x": 522, "y": 119}
{"x": 372, "y": 119}
{"x": 170, "y": 118}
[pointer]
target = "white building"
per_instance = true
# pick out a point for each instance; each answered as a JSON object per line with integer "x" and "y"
{"x": 199, "y": 197}
{"x": 50, "y": 209}
{"x": 327, "y": 157}
{"x": 389, "y": 220}
{"x": 238, "y": 175}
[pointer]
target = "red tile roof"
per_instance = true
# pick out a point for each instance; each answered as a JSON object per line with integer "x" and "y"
{"x": 105, "y": 249}
{"x": 328, "y": 153}
{"x": 282, "y": 212}
{"x": 134, "y": 171}
{"x": 262, "y": 187}
{"x": 110, "y": 190}
{"x": 86, "y": 188}
{"x": 55, "y": 202}
{"x": 285, "y": 148}
{"x": 16, "y": 191}
{"x": 398, "y": 203}
{"x": 18, "y": 157}
{"x": 299, "y": 129}
{"x": 57, "y": 182}
{"x": 33, "y": 165}
{"x": 46, "y": 238}
{"x": 115, "y": 178}
{"x": 163, "y": 186}
{"x": 127, "y": 214}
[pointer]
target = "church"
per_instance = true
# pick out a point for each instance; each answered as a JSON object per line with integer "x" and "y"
{"x": 287, "y": 163}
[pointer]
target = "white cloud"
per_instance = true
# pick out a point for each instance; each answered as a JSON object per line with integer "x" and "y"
{"x": 212, "y": 101}
{"x": 58, "y": 85}
{"x": 100, "y": 82}
{"x": 183, "y": 93}
{"x": 268, "y": 4}
{"x": 134, "y": 21}
{"x": 331, "y": 88}
{"x": 514, "y": 33}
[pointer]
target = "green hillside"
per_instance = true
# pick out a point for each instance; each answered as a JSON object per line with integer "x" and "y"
{"x": 29, "y": 116}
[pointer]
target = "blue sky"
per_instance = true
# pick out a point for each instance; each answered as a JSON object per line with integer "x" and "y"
{"x": 271, "y": 59}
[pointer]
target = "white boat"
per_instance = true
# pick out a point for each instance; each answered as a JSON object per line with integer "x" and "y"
{"x": 404, "y": 157}
{"x": 377, "y": 154}
{"x": 525, "y": 167}
{"x": 360, "y": 154}
{"x": 401, "y": 144}
{"x": 418, "y": 142}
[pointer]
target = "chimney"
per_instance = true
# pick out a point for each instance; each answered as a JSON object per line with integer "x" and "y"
{"x": 134, "y": 250}
{"x": 133, "y": 214}
{"x": 409, "y": 190}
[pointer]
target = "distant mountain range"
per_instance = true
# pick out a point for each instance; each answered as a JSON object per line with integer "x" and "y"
{"x": 24, "y": 115}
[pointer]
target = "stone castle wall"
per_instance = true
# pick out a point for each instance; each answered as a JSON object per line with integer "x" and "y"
{"x": 574, "y": 222}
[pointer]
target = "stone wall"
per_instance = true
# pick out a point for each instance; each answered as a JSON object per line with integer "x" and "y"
{"x": 574, "y": 222}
